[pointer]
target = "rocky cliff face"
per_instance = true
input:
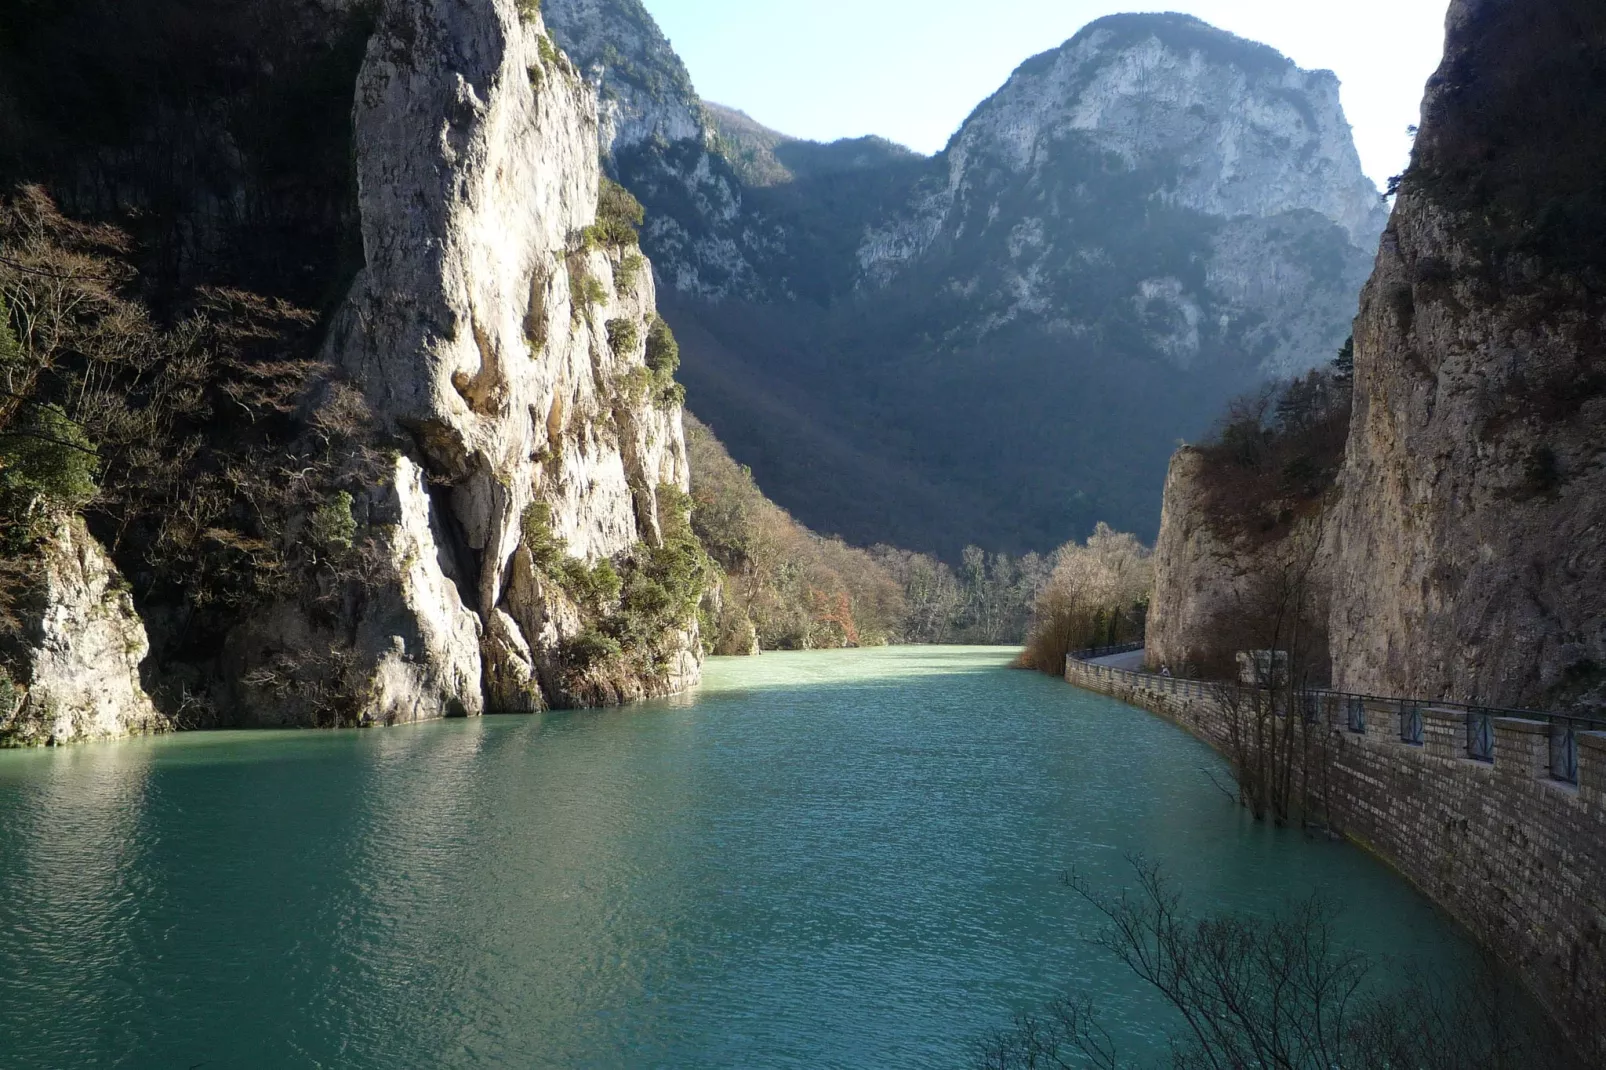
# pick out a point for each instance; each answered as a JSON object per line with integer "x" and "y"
{"x": 1467, "y": 545}
{"x": 644, "y": 90}
{"x": 1155, "y": 215}
{"x": 1196, "y": 575}
{"x": 1463, "y": 544}
{"x": 1219, "y": 589}
{"x": 474, "y": 497}
{"x": 81, "y": 648}
{"x": 508, "y": 345}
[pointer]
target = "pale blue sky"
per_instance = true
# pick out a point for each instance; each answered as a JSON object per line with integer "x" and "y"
{"x": 911, "y": 70}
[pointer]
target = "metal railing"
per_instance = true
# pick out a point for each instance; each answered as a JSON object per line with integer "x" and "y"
{"x": 1480, "y": 735}
{"x": 1106, "y": 651}
{"x": 1410, "y": 724}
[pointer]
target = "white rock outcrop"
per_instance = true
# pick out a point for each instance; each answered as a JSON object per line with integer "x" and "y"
{"x": 502, "y": 349}
{"x": 82, "y": 648}
{"x": 1195, "y": 118}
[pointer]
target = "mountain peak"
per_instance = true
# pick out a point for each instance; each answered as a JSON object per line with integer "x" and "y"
{"x": 645, "y": 90}
{"x": 1184, "y": 33}
{"x": 1230, "y": 127}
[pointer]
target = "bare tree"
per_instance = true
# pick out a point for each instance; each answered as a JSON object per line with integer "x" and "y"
{"x": 1094, "y": 596}
{"x": 1275, "y": 992}
{"x": 1275, "y": 737}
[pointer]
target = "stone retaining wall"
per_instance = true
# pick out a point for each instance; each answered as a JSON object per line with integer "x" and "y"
{"x": 1517, "y": 857}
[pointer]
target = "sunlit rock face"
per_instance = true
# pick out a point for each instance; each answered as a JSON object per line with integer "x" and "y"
{"x": 1467, "y": 548}
{"x": 480, "y": 331}
{"x": 82, "y": 648}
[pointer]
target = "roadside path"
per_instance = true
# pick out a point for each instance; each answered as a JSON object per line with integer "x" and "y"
{"x": 1131, "y": 661}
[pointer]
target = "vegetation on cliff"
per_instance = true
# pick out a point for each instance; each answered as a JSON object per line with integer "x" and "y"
{"x": 214, "y": 454}
{"x": 787, "y": 588}
{"x": 1275, "y": 454}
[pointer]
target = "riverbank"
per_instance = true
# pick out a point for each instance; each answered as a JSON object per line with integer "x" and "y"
{"x": 1510, "y": 852}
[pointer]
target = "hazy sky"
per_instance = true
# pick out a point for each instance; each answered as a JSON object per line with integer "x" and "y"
{"x": 911, "y": 70}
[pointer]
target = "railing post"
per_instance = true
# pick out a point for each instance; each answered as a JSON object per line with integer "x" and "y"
{"x": 1382, "y": 721}
{"x": 1355, "y": 714}
{"x": 1564, "y": 751}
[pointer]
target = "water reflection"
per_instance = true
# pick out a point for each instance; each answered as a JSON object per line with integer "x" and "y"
{"x": 73, "y": 891}
{"x": 837, "y": 860}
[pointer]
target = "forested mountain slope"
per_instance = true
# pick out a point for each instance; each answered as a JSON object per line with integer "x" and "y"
{"x": 1000, "y": 343}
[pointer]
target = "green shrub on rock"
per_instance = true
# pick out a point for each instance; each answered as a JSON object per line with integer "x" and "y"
{"x": 630, "y": 269}
{"x": 545, "y": 547}
{"x": 589, "y": 649}
{"x": 623, "y": 337}
{"x": 47, "y": 467}
{"x": 663, "y": 358}
{"x": 332, "y": 524}
{"x": 663, "y": 352}
{"x": 618, "y": 216}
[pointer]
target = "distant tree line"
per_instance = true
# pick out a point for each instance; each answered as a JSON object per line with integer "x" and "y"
{"x": 788, "y": 588}
{"x": 1096, "y": 595}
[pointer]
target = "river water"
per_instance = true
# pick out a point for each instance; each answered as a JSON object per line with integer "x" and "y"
{"x": 819, "y": 860}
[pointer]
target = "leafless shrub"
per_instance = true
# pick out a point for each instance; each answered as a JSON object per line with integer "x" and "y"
{"x": 1097, "y": 595}
{"x": 1277, "y": 991}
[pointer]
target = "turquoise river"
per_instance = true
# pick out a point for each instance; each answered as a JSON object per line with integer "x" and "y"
{"x": 818, "y": 860}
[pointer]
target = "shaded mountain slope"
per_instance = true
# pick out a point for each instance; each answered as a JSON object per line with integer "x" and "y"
{"x": 1137, "y": 226}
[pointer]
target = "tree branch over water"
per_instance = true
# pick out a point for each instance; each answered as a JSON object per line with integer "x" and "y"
{"x": 1275, "y": 992}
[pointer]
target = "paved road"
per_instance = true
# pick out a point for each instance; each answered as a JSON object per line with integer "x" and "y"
{"x": 1132, "y": 662}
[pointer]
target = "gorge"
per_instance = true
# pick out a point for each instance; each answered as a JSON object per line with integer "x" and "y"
{"x": 350, "y": 350}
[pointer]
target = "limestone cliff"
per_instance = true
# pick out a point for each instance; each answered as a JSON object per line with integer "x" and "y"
{"x": 1463, "y": 541}
{"x": 1221, "y": 588}
{"x": 1468, "y": 541}
{"x": 81, "y": 644}
{"x": 1196, "y": 575}
{"x": 461, "y": 486}
{"x": 508, "y": 343}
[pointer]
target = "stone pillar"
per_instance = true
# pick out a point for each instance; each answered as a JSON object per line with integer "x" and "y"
{"x": 1444, "y": 733}
{"x": 1382, "y": 722}
{"x": 1592, "y": 768}
{"x": 1521, "y": 748}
